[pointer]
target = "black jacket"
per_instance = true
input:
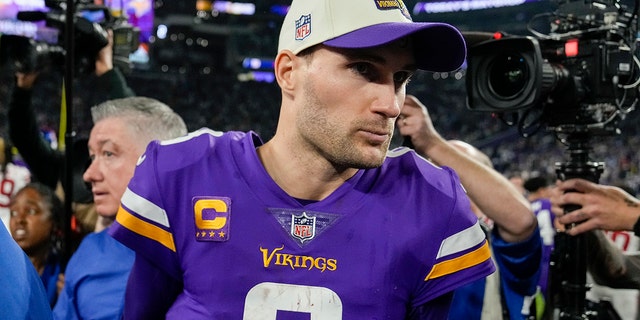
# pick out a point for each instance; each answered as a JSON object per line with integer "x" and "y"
{"x": 46, "y": 164}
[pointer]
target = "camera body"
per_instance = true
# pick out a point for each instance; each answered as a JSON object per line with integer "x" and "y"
{"x": 126, "y": 40}
{"x": 581, "y": 74}
{"x": 577, "y": 79}
{"x": 90, "y": 23}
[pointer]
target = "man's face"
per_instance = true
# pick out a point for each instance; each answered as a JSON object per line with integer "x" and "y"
{"x": 350, "y": 100}
{"x": 114, "y": 150}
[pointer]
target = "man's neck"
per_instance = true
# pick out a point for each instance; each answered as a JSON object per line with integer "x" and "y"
{"x": 309, "y": 178}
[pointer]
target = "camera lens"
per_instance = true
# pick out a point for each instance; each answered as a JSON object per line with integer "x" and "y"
{"x": 508, "y": 75}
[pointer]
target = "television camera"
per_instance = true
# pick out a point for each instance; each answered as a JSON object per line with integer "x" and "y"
{"x": 577, "y": 77}
{"x": 47, "y": 49}
{"x": 581, "y": 73}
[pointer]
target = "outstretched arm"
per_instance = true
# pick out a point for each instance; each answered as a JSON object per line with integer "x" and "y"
{"x": 44, "y": 162}
{"x": 110, "y": 80}
{"x": 600, "y": 206}
{"x": 487, "y": 188}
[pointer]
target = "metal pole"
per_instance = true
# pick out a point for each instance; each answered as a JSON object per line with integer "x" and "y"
{"x": 69, "y": 34}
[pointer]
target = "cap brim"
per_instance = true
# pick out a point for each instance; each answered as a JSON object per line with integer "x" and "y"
{"x": 438, "y": 47}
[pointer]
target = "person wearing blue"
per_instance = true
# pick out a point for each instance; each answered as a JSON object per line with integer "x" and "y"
{"x": 322, "y": 221}
{"x": 97, "y": 272}
{"x": 23, "y": 295}
{"x": 36, "y": 226}
{"x": 538, "y": 193}
{"x": 511, "y": 292}
{"x": 95, "y": 279}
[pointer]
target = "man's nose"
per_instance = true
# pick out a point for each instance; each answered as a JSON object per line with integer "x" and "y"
{"x": 388, "y": 101}
{"x": 91, "y": 173}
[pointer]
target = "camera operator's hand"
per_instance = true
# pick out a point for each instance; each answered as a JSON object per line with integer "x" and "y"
{"x": 600, "y": 206}
{"x": 491, "y": 192}
{"x": 415, "y": 123}
{"x": 104, "y": 60}
{"x": 26, "y": 80}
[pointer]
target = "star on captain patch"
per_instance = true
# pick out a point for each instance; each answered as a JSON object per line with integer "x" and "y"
{"x": 212, "y": 217}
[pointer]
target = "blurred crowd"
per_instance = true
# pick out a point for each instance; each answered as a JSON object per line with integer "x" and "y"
{"x": 181, "y": 94}
{"x": 224, "y": 103}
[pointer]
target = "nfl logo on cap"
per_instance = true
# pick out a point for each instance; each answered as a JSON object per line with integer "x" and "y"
{"x": 303, "y": 27}
{"x": 358, "y": 24}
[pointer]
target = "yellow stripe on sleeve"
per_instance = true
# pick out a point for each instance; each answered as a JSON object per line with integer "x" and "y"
{"x": 465, "y": 261}
{"x": 145, "y": 229}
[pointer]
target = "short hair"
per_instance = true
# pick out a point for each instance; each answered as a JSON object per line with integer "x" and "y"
{"x": 472, "y": 152}
{"x": 536, "y": 183}
{"x": 147, "y": 116}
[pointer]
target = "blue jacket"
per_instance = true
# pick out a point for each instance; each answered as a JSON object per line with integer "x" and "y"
{"x": 95, "y": 279}
{"x": 22, "y": 295}
{"x": 518, "y": 269}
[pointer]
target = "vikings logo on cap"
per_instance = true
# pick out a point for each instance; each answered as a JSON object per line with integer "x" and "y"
{"x": 303, "y": 27}
{"x": 393, "y": 4}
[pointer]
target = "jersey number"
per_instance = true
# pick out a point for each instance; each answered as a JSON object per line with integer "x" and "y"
{"x": 7, "y": 187}
{"x": 266, "y": 299}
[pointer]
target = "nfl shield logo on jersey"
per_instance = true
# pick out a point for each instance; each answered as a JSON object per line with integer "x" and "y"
{"x": 303, "y": 227}
{"x": 303, "y": 27}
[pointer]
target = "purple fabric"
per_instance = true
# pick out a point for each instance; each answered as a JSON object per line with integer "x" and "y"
{"x": 542, "y": 209}
{"x": 438, "y": 46}
{"x": 372, "y": 249}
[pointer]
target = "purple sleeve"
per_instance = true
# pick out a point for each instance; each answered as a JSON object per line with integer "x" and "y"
{"x": 435, "y": 309}
{"x": 455, "y": 249}
{"x": 150, "y": 291}
{"x": 142, "y": 223}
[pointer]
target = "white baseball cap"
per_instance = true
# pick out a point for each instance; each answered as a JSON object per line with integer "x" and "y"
{"x": 354, "y": 24}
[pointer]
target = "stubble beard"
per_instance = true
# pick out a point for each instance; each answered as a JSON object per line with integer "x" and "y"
{"x": 328, "y": 139}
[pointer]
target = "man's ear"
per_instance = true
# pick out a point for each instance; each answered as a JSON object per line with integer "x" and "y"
{"x": 283, "y": 69}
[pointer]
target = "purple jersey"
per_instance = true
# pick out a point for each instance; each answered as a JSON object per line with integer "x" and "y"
{"x": 546, "y": 220}
{"x": 202, "y": 209}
